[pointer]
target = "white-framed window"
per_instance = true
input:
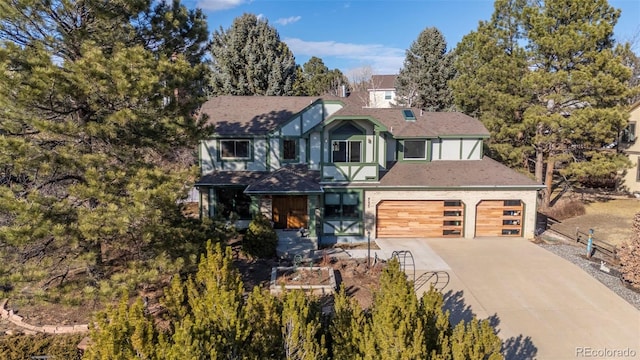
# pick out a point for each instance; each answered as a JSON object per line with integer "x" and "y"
{"x": 388, "y": 95}
{"x": 415, "y": 149}
{"x": 235, "y": 149}
{"x": 346, "y": 151}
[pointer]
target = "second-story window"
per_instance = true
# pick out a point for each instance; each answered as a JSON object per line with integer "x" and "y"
{"x": 387, "y": 95}
{"x": 289, "y": 150}
{"x": 235, "y": 149}
{"x": 415, "y": 150}
{"x": 346, "y": 151}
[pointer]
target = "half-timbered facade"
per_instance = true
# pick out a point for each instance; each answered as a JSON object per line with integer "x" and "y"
{"x": 345, "y": 172}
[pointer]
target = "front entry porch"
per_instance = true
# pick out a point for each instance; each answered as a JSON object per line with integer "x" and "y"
{"x": 294, "y": 242}
{"x": 290, "y": 212}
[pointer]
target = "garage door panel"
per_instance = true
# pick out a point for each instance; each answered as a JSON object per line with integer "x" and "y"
{"x": 418, "y": 218}
{"x": 499, "y": 218}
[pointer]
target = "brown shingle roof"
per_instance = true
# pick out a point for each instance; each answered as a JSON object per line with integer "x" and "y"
{"x": 258, "y": 115}
{"x": 255, "y": 115}
{"x": 383, "y": 82}
{"x": 294, "y": 178}
{"x": 288, "y": 179}
{"x": 426, "y": 123}
{"x": 454, "y": 173}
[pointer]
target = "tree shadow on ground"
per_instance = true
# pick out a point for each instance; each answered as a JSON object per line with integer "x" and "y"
{"x": 514, "y": 348}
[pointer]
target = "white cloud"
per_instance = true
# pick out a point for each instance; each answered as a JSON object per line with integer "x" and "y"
{"x": 382, "y": 59}
{"x": 215, "y": 5}
{"x": 289, "y": 20}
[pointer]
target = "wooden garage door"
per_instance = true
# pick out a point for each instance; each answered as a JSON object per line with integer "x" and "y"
{"x": 499, "y": 218}
{"x": 419, "y": 218}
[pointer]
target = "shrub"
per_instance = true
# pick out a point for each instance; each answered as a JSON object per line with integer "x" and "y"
{"x": 566, "y": 209}
{"x": 630, "y": 255}
{"x": 260, "y": 239}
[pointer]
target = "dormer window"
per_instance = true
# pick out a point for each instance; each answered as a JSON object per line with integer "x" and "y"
{"x": 415, "y": 150}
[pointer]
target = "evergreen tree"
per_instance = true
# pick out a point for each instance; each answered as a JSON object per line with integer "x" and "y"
{"x": 346, "y": 328}
{"x": 301, "y": 328}
{"x": 97, "y": 123}
{"x": 490, "y": 65}
{"x": 250, "y": 59}
{"x": 315, "y": 79}
{"x": 395, "y": 330}
{"x": 123, "y": 332}
{"x": 423, "y": 79}
{"x": 579, "y": 85}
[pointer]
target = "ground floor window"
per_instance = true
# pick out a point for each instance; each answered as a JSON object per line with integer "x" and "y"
{"x": 233, "y": 201}
{"x": 342, "y": 205}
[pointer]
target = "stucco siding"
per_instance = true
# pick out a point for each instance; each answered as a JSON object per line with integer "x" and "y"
{"x": 471, "y": 149}
{"x": 293, "y": 128}
{"x": 469, "y": 198}
{"x": 315, "y": 151}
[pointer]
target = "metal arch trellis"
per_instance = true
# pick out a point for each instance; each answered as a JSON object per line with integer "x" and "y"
{"x": 405, "y": 258}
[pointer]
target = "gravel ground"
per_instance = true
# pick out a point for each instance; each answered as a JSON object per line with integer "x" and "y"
{"x": 612, "y": 280}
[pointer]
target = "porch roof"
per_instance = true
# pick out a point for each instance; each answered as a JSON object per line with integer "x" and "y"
{"x": 297, "y": 179}
{"x": 289, "y": 179}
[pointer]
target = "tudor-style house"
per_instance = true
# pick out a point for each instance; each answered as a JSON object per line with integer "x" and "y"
{"x": 345, "y": 172}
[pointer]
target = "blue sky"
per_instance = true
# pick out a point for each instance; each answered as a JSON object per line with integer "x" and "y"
{"x": 349, "y": 35}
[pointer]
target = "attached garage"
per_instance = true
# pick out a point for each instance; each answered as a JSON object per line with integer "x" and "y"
{"x": 499, "y": 218}
{"x": 419, "y": 218}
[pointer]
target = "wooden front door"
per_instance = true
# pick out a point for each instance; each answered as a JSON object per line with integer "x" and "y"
{"x": 290, "y": 212}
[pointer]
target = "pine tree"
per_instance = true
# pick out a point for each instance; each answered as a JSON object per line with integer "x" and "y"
{"x": 315, "y": 79}
{"x": 250, "y": 59}
{"x": 301, "y": 328}
{"x": 394, "y": 330}
{"x": 212, "y": 325}
{"x": 629, "y": 254}
{"x": 98, "y": 129}
{"x": 579, "y": 86}
{"x": 490, "y": 65}
{"x": 475, "y": 339}
{"x": 423, "y": 79}
{"x": 123, "y": 332}
{"x": 346, "y": 328}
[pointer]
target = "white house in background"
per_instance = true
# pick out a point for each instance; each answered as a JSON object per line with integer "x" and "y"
{"x": 382, "y": 91}
{"x": 631, "y": 147}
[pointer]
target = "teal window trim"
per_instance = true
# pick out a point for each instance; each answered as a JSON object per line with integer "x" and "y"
{"x": 338, "y": 202}
{"x": 403, "y": 144}
{"x": 237, "y": 143}
{"x": 296, "y": 149}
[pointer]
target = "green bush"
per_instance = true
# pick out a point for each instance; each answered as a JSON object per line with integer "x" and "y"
{"x": 17, "y": 347}
{"x": 260, "y": 239}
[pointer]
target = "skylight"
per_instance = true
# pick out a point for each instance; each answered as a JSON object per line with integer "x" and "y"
{"x": 408, "y": 114}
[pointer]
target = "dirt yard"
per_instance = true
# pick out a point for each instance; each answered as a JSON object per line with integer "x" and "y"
{"x": 610, "y": 219}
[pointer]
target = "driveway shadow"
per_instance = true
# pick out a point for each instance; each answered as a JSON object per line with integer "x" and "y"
{"x": 514, "y": 348}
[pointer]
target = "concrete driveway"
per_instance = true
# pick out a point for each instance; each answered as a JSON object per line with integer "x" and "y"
{"x": 543, "y": 306}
